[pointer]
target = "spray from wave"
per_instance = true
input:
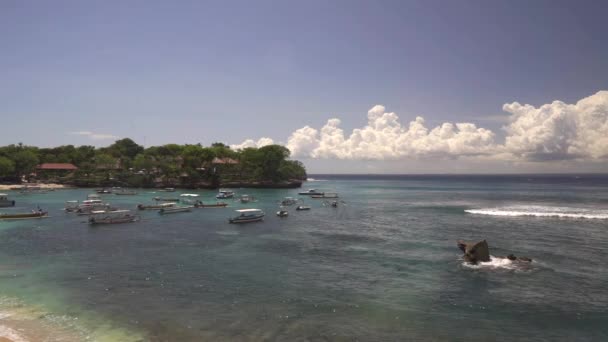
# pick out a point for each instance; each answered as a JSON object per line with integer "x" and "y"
{"x": 316, "y": 180}
{"x": 494, "y": 263}
{"x": 543, "y": 211}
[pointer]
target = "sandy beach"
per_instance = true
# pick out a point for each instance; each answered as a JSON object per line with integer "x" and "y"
{"x": 6, "y": 187}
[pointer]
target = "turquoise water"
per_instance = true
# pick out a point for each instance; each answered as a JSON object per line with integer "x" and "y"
{"x": 383, "y": 266}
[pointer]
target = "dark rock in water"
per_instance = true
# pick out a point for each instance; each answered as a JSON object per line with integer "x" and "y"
{"x": 475, "y": 252}
{"x": 524, "y": 259}
{"x": 511, "y": 257}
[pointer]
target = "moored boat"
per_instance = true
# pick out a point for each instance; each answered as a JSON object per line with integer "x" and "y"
{"x": 282, "y": 213}
{"x": 200, "y": 204}
{"x": 223, "y": 194}
{"x": 247, "y": 216}
{"x": 112, "y": 217}
{"x": 155, "y": 206}
{"x": 103, "y": 191}
{"x": 310, "y": 192}
{"x": 125, "y": 192}
{"x": 5, "y": 202}
{"x": 167, "y": 190}
{"x": 302, "y": 207}
{"x": 174, "y": 210}
{"x": 246, "y": 199}
{"x": 289, "y": 201}
{"x": 326, "y": 195}
{"x": 34, "y": 214}
{"x": 71, "y": 206}
{"x": 165, "y": 199}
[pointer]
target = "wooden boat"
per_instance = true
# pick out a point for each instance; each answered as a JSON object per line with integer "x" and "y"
{"x": 310, "y": 192}
{"x": 164, "y": 199}
{"x": 301, "y": 207}
{"x": 112, "y": 217}
{"x": 247, "y": 216}
{"x": 174, "y": 210}
{"x": 326, "y": 195}
{"x": 201, "y": 205}
{"x": 282, "y": 213}
{"x": 20, "y": 216}
{"x": 5, "y": 202}
{"x": 155, "y": 206}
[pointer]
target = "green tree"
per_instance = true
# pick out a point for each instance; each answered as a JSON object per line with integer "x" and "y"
{"x": 25, "y": 161}
{"x": 7, "y": 167}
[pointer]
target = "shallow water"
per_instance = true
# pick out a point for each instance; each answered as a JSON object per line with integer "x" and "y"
{"x": 384, "y": 266}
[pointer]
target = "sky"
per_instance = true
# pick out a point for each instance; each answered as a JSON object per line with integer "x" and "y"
{"x": 349, "y": 86}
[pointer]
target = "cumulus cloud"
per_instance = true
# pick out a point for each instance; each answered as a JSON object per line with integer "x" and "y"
{"x": 95, "y": 136}
{"x": 251, "y": 143}
{"x": 555, "y": 131}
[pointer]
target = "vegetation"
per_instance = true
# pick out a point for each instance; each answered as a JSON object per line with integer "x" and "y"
{"x": 126, "y": 163}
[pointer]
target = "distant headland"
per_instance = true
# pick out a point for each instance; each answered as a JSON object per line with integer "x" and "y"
{"x": 127, "y": 164}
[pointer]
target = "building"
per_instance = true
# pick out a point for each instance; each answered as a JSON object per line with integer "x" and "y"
{"x": 47, "y": 170}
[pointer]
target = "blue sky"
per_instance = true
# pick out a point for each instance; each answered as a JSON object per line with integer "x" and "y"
{"x": 196, "y": 71}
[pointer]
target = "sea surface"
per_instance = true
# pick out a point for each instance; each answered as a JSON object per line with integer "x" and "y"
{"x": 383, "y": 266}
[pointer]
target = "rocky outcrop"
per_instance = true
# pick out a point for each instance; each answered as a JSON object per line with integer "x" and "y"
{"x": 475, "y": 252}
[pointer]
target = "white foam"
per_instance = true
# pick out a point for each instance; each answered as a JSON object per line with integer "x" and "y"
{"x": 544, "y": 211}
{"x": 494, "y": 263}
{"x": 11, "y": 334}
{"x": 316, "y": 180}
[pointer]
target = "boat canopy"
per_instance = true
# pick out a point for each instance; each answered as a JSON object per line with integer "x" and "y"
{"x": 248, "y": 210}
{"x": 168, "y": 204}
{"x": 190, "y": 195}
{"x": 3, "y": 195}
{"x": 123, "y": 211}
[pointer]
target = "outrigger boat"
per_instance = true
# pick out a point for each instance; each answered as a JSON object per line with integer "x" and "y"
{"x": 174, "y": 210}
{"x": 112, "y": 217}
{"x": 5, "y": 202}
{"x": 310, "y": 192}
{"x": 326, "y": 195}
{"x": 223, "y": 194}
{"x": 156, "y": 206}
{"x": 200, "y": 204}
{"x": 247, "y": 216}
{"x": 21, "y": 216}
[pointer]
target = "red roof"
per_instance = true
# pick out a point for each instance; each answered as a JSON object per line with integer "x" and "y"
{"x": 57, "y": 166}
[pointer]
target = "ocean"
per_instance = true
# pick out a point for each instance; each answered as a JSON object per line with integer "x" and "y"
{"x": 382, "y": 266}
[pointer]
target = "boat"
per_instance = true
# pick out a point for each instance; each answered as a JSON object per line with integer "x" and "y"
{"x": 302, "y": 207}
{"x": 223, "y": 194}
{"x": 167, "y": 190}
{"x": 326, "y": 195}
{"x": 125, "y": 192}
{"x": 282, "y": 213}
{"x": 103, "y": 191}
{"x": 155, "y": 206}
{"x": 289, "y": 201}
{"x": 20, "y": 216}
{"x": 112, "y": 217}
{"x": 71, "y": 206}
{"x": 247, "y": 216}
{"x": 246, "y": 199}
{"x": 93, "y": 197}
{"x": 5, "y": 202}
{"x": 174, "y": 210}
{"x": 200, "y": 204}
{"x": 189, "y": 198}
{"x": 333, "y": 204}
{"x": 165, "y": 199}
{"x": 310, "y": 192}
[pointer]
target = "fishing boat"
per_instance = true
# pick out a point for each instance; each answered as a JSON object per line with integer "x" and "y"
{"x": 200, "y": 204}
{"x": 247, "y": 216}
{"x": 302, "y": 207}
{"x": 165, "y": 199}
{"x": 289, "y": 201}
{"x": 112, "y": 217}
{"x": 223, "y": 194}
{"x": 34, "y": 214}
{"x": 155, "y": 206}
{"x": 310, "y": 192}
{"x": 326, "y": 195}
{"x": 125, "y": 192}
{"x": 174, "y": 210}
{"x": 167, "y": 190}
{"x": 282, "y": 213}
{"x": 5, "y": 202}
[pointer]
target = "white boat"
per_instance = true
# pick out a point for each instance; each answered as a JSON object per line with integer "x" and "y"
{"x": 246, "y": 199}
{"x": 301, "y": 207}
{"x": 289, "y": 201}
{"x": 5, "y": 202}
{"x": 112, "y": 217}
{"x": 174, "y": 210}
{"x": 223, "y": 194}
{"x": 156, "y": 206}
{"x": 326, "y": 195}
{"x": 125, "y": 192}
{"x": 71, "y": 206}
{"x": 310, "y": 192}
{"x": 167, "y": 190}
{"x": 282, "y": 213}
{"x": 189, "y": 195}
{"x": 247, "y": 216}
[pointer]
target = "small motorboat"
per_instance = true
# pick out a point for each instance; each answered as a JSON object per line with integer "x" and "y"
{"x": 246, "y": 199}
{"x": 247, "y": 216}
{"x": 282, "y": 213}
{"x": 224, "y": 194}
{"x": 112, "y": 217}
{"x": 302, "y": 207}
{"x": 93, "y": 197}
{"x": 71, "y": 206}
{"x": 156, "y": 206}
{"x": 289, "y": 201}
{"x": 310, "y": 192}
{"x": 34, "y": 214}
{"x": 200, "y": 204}
{"x": 326, "y": 195}
{"x": 104, "y": 191}
{"x": 5, "y": 202}
{"x": 174, "y": 210}
{"x": 167, "y": 190}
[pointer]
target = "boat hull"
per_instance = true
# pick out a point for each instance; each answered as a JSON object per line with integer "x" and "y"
{"x": 93, "y": 221}
{"x": 7, "y": 203}
{"x": 23, "y": 216}
{"x": 246, "y": 220}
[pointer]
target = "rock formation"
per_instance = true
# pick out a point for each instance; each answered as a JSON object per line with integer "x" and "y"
{"x": 475, "y": 252}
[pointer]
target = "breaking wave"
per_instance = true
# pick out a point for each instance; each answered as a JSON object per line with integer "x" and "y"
{"x": 494, "y": 263}
{"x": 542, "y": 211}
{"x": 316, "y": 180}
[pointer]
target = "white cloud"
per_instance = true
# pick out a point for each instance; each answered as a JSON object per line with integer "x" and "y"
{"x": 555, "y": 131}
{"x": 251, "y": 143}
{"x": 95, "y": 136}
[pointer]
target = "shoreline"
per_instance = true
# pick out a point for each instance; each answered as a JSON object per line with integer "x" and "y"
{"x": 7, "y": 187}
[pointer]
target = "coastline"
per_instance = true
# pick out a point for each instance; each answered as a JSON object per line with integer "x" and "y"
{"x": 6, "y": 187}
